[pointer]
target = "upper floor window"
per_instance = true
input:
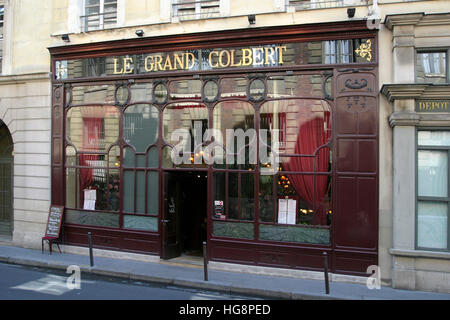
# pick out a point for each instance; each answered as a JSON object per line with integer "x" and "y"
{"x": 195, "y": 9}
{"x": 2, "y": 15}
{"x": 318, "y": 4}
{"x": 99, "y": 14}
{"x": 432, "y": 66}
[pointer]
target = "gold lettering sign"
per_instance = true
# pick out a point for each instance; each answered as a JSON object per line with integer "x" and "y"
{"x": 433, "y": 106}
{"x": 214, "y": 59}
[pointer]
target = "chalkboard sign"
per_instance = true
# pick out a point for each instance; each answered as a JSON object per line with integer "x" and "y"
{"x": 54, "y": 221}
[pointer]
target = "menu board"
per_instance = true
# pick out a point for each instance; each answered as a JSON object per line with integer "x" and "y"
{"x": 286, "y": 211}
{"x": 54, "y": 221}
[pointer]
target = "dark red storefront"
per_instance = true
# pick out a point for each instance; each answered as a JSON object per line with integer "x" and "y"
{"x": 117, "y": 105}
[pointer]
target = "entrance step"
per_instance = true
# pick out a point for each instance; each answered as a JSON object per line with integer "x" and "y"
{"x": 187, "y": 260}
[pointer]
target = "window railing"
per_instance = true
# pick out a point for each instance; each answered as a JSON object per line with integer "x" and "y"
{"x": 99, "y": 21}
{"x": 200, "y": 9}
{"x": 319, "y": 4}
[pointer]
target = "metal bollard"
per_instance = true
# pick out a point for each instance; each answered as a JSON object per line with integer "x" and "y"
{"x": 327, "y": 285}
{"x": 205, "y": 262}
{"x": 91, "y": 255}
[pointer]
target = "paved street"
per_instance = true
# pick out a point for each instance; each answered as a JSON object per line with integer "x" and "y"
{"x": 31, "y": 283}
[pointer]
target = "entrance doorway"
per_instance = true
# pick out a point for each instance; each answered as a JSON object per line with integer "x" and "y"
{"x": 6, "y": 178}
{"x": 185, "y": 209}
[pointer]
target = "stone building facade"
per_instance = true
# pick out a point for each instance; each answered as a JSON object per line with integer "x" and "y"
{"x": 79, "y": 46}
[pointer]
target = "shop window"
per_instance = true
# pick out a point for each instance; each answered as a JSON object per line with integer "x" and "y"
{"x": 92, "y": 158}
{"x": 432, "y": 66}
{"x": 184, "y": 126}
{"x": 433, "y": 199}
{"x": 195, "y": 9}
{"x": 99, "y": 14}
{"x": 302, "y": 129}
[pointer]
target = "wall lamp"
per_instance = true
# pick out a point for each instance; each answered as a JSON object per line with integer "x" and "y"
{"x": 65, "y": 37}
{"x": 251, "y": 18}
{"x": 351, "y": 12}
{"x": 140, "y": 33}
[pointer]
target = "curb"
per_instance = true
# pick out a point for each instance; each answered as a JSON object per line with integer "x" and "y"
{"x": 195, "y": 284}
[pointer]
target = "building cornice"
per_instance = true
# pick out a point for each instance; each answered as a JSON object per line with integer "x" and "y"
{"x": 416, "y": 91}
{"x": 21, "y": 78}
{"x": 419, "y": 254}
{"x": 419, "y": 19}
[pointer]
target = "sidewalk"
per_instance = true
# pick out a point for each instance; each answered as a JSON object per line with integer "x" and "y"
{"x": 230, "y": 282}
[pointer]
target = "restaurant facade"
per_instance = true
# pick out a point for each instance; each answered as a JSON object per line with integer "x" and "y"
{"x": 273, "y": 136}
{"x": 261, "y": 142}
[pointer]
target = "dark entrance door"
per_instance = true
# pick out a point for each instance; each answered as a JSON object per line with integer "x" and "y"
{"x": 6, "y": 170}
{"x": 184, "y": 220}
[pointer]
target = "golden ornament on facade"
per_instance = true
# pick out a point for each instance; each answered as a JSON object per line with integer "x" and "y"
{"x": 365, "y": 49}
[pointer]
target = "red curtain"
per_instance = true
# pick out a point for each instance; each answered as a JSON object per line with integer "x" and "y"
{"x": 91, "y": 138}
{"x": 311, "y": 188}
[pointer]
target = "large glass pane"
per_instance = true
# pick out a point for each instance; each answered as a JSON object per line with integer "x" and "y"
{"x": 140, "y": 191}
{"x": 114, "y": 190}
{"x": 185, "y": 89}
{"x": 266, "y": 198}
{"x": 71, "y": 188}
{"x": 432, "y": 173}
{"x": 233, "y": 88}
{"x": 152, "y": 192}
{"x": 92, "y": 188}
{"x": 296, "y": 126}
{"x": 114, "y": 157}
{"x": 303, "y": 85}
{"x": 234, "y": 123}
{"x": 141, "y": 92}
{"x": 128, "y": 157}
{"x": 152, "y": 158}
{"x": 140, "y": 126}
{"x": 247, "y": 197}
{"x": 128, "y": 191}
{"x": 433, "y": 138}
{"x": 92, "y": 128}
{"x": 233, "y": 195}
{"x": 103, "y": 93}
{"x": 431, "y": 67}
{"x": 184, "y": 126}
{"x": 303, "y": 199}
{"x": 432, "y": 225}
{"x": 219, "y": 195}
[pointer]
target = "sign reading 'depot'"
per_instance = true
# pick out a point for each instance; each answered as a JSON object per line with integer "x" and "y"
{"x": 433, "y": 106}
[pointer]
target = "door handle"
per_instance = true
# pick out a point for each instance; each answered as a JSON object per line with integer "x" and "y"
{"x": 164, "y": 221}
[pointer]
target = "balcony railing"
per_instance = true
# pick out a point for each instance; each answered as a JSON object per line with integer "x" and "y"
{"x": 200, "y": 9}
{"x": 319, "y": 4}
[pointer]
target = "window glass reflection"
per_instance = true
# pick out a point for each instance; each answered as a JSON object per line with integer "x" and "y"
{"x": 140, "y": 126}
{"x": 92, "y": 128}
